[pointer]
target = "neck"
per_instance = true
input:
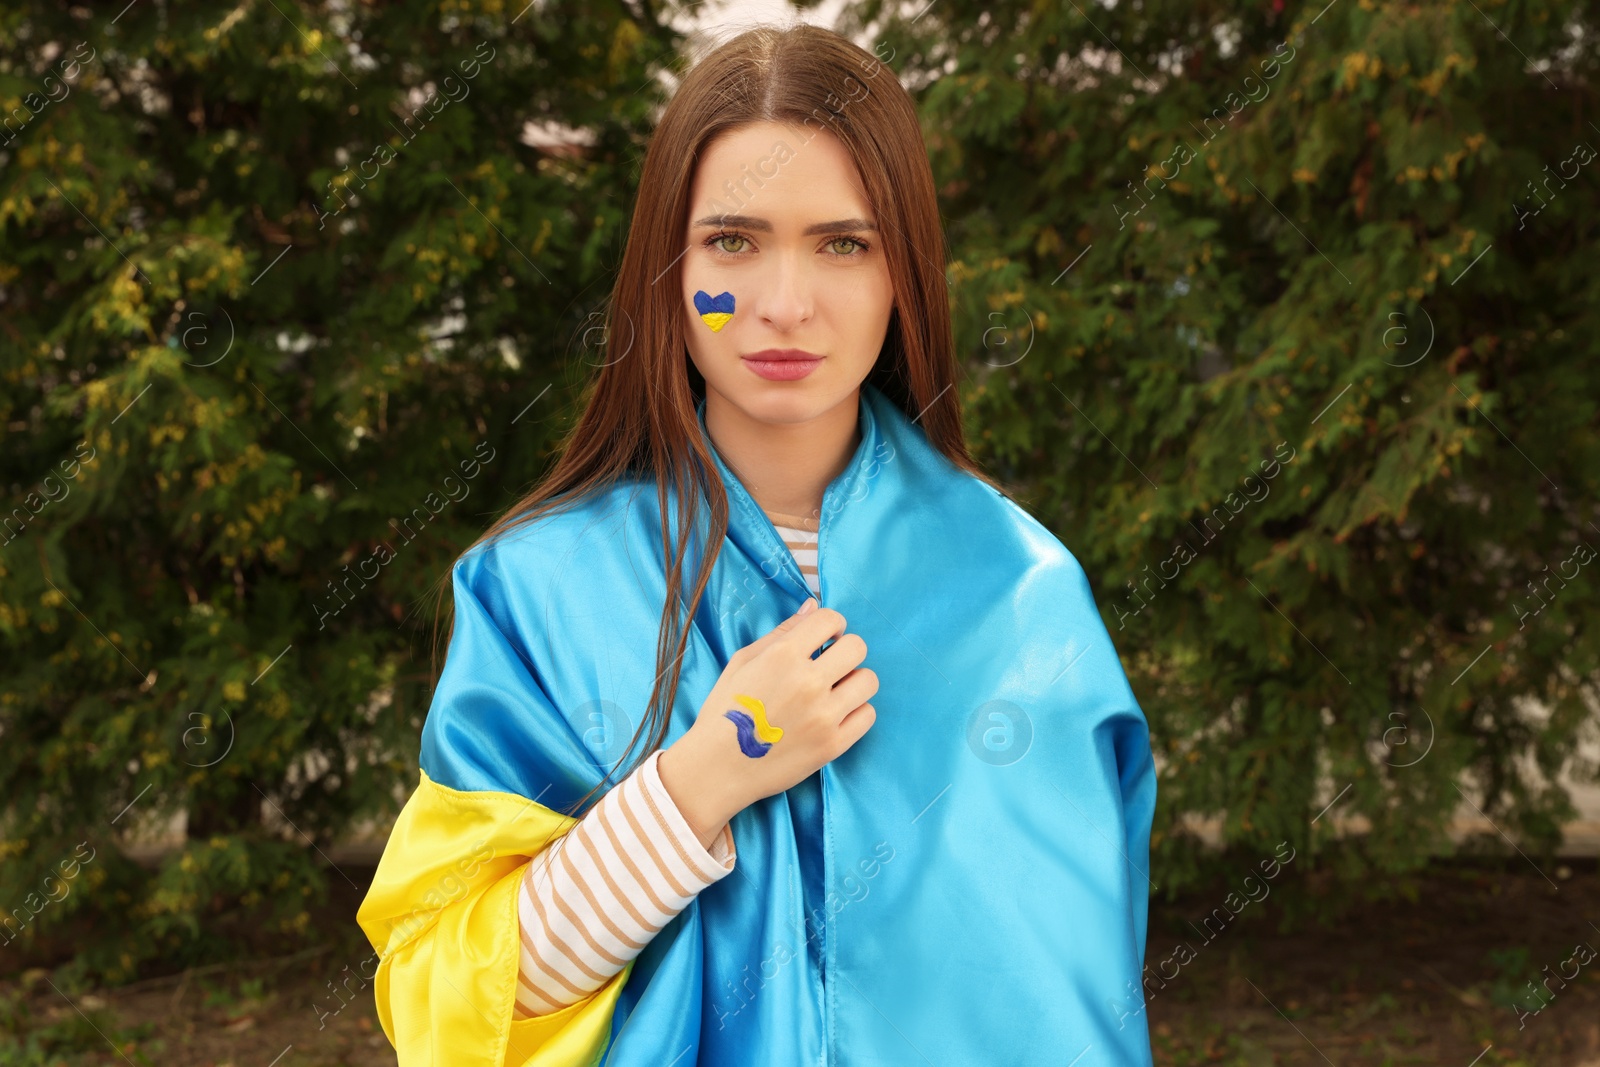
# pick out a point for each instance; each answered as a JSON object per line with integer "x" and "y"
{"x": 786, "y": 466}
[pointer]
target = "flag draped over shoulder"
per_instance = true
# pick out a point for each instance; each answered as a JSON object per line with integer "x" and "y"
{"x": 442, "y": 909}
{"x": 967, "y": 884}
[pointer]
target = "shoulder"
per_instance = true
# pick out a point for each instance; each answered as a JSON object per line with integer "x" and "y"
{"x": 964, "y": 508}
{"x": 587, "y": 523}
{"x": 584, "y": 538}
{"x": 990, "y": 549}
{"x": 1004, "y": 526}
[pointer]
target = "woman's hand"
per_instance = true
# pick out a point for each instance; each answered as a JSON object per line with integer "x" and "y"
{"x": 772, "y": 719}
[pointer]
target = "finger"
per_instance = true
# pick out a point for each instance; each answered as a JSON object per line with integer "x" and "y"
{"x": 843, "y": 656}
{"x": 811, "y": 631}
{"x": 857, "y": 687}
{"x": 857, "y": 723}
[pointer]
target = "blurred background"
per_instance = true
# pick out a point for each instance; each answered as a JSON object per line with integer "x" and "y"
{"x": 1283, "y": 314}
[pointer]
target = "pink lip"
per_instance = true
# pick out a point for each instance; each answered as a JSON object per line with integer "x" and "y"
{"x": 782, "y": 364}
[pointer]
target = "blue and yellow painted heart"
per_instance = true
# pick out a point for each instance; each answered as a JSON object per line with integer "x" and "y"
{"x": 715, "y": 311}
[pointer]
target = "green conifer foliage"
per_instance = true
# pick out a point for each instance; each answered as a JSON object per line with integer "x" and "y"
{"x": 1285, "y": 316}
{"x": 290, "y": 308}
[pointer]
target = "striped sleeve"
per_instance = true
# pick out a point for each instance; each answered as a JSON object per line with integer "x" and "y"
{"x": 590, "y": 902}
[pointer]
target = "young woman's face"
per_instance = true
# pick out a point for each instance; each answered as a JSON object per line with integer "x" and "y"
{"x": 780, "y": 234}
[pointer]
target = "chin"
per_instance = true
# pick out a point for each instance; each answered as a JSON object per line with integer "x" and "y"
{"x": 768, "y": 401}
{"x": 779, "y": 402}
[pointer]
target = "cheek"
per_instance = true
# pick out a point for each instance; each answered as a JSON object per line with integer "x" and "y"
{"x": 879, "y": 285}
{"x": 873, "y": 298}
{"x": 711, "y": 311}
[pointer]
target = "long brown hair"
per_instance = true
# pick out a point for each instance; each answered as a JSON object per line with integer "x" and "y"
{"x": 639, "y": 410}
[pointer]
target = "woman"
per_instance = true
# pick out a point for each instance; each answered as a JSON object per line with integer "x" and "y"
{"x": 908, "y": 825}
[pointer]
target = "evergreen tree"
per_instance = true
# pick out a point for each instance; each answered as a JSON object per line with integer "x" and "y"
{"x": 1285, "y": 315}
{"x": 294, "y": 299}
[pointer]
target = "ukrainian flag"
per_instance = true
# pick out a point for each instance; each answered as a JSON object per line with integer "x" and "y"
{"x": 442, "y": 909}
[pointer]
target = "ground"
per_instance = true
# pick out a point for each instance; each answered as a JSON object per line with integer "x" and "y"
{"x": 1434, "y": 981}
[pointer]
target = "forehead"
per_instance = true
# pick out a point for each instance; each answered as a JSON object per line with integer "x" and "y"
{"x": 778, "y": 171}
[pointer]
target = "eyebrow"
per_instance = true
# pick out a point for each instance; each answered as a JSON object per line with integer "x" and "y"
{"x": 750, "y": 222}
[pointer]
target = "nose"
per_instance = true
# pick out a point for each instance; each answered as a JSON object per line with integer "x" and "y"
{"x": 785, "y": 302}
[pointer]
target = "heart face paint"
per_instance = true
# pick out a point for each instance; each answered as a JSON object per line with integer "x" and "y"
{"x": 715, "y": 311}
{"x": 756, "y": 735}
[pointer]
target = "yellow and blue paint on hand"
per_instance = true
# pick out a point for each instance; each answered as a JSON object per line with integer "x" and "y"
{"x": 715, "y": 311}
{"x": 756, "y": 735}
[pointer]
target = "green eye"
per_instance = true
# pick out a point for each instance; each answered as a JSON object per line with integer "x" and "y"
{"x": 718, "y": 242}
{"x": 850, "y": 242}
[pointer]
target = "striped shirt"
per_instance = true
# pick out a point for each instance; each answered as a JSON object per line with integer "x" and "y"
{"x": 800, "y": 534}
{"x": 594, "y": 899}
